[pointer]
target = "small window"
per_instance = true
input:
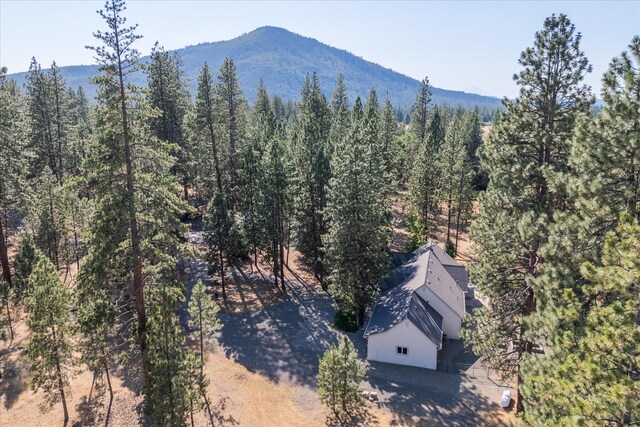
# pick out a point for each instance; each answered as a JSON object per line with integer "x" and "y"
{"x": 402, "y": 350}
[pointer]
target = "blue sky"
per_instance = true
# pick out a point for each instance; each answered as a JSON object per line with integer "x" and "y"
{"x": 463, "y": 45}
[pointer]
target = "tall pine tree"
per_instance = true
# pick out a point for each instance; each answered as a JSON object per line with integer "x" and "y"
{"x": 358, "y": 236}
{"x": 527, "y": 148}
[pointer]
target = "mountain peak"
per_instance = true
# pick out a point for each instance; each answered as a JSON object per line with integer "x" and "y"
{"x": 282, "y": 58}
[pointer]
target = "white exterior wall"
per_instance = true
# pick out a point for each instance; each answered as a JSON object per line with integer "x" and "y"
{"x": 451, "y": 322}
{"x": 422, "y": 352}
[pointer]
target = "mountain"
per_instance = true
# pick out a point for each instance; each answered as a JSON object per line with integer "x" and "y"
{"x": 282, "y": 59}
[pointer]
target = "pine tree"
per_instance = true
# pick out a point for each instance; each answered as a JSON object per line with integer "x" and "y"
{"x": 97, "y": 318}
{"x": 602, "y": 184}
{"x": 211, "y": 168}
{"x": 469, "y": 175}
{"x": 49, "y": 348}
{"x": 263, "y": 126}
{"x": 311, "y": 173}
{"x": 204, "y": 323}
{"x": 219, "y": 235}
{"x": 13, "y": 154}
{"x": 26, "y": 257}
{"x": 527, "y": 148}
{"x": 596, "y": 365}
{"x": 339, "y": 115}
{"x": 339, "y": 377}
{"x": 420, "y": 117}
{"x": 81, "y": 130}
{"x": 167, "y": 93}
{"x": 168, "y": 394}
{"x": 275, "y": 206}
{"x": 231, "y": 114}
{"x": 135, "y": 229}
{"x": 45, "y": 216}
{"x": 424, "y": 183}
{"x": 203, "y": 313}
{"x": 457, "y": 174}
{"x": 390, "y": 150}
{"x": 358, "y": 236}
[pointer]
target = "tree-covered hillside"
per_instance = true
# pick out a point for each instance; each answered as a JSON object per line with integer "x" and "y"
{"x": 282, "y": 59}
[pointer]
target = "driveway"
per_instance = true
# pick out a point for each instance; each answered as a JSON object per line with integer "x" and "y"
{"x": 285, "y": 341}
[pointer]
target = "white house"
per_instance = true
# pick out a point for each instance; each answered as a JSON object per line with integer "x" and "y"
{"x": 423, "y": 304}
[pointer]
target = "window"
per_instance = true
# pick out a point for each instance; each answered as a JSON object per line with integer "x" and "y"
{"x": 402, "y": 350}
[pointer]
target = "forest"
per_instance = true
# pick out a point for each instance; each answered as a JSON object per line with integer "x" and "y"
{"x": 96, "y": 199}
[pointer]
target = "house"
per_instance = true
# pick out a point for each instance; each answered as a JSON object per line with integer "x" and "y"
{"x": 423, "y": 305}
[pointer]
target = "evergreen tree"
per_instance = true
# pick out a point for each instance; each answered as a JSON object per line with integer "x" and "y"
{"x": 219, "y": 235}
{"x": 339, "y": 115}
{"x": 526, "y": 151}
{"x": 81, "y": 130}
{"x": 168, "y": 394}
{"x": 211, "y": 168}
{"x": 49, "y": 348}
{"x": 231, "y": 115}
{"x": 596, "y": 382}
{"x": 424, "y": 183}
{"x": 602, "y": 184}
{"x": 390, "y": 149}
{"x": 204, "y": 323}
{"x": 14, "y": 158}
{"x": 358, "y": 236}
{"x": 26, "y": 257}
{"x": 457, "y": 174}
{"x": 311, "y": 173}
{"x": 274, "y": 207}
{"x": 339, "y": 377}
{"x": 420, "y": 117}
{"x": 469, "y": 175}
{"x": 263, "y": 128}
{"x": 167, "y": 93}
{"x": 203, "y": 313}
{"x": 45, "y": 216}
{"x": 135, "y": 229}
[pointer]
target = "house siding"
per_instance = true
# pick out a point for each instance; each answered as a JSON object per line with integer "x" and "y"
{"x": 422, "y": 352}
{"x": 451, "y": 321}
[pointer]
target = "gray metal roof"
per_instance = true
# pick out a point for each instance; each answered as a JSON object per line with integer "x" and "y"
{"x": 443, "y": 285}
{"x": 426, "y": 318}
{"x": 399, "y": 301}
{"x": 457, "y": 271}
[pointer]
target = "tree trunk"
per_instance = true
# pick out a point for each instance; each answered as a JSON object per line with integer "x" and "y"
{"x": 449, "y": 203}
{"x": 59, "y": 376}
{"x": 206, "y": 403}
{"x": 6, "y": 303}
{"x": 138, "y": 286}
{"x": 201, "y": 344}
{"x": 106, "y": 371}
{"x": 4, "y": 257}
{"x": 360, "y": 310}
{"x": 224, "y": 292}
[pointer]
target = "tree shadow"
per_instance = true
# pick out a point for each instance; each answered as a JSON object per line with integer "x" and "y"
{"x": 449, "y": 399}
{"x": 282, "y": 341}
{"x": 218, "y": 410}
{"x": 13, "y": 375}
{"x": 92, "y": 411}
{"x": 356, "y": 417}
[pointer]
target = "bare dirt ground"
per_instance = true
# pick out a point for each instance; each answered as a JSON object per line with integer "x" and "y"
{"x": 262, "y": 372}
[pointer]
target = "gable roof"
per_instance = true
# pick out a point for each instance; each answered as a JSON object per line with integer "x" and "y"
{"x": 399, "y": 299}
{"x": 457, "y": 271}
{"x": 426, "y": 318}
{"x": 443, "y": 285}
